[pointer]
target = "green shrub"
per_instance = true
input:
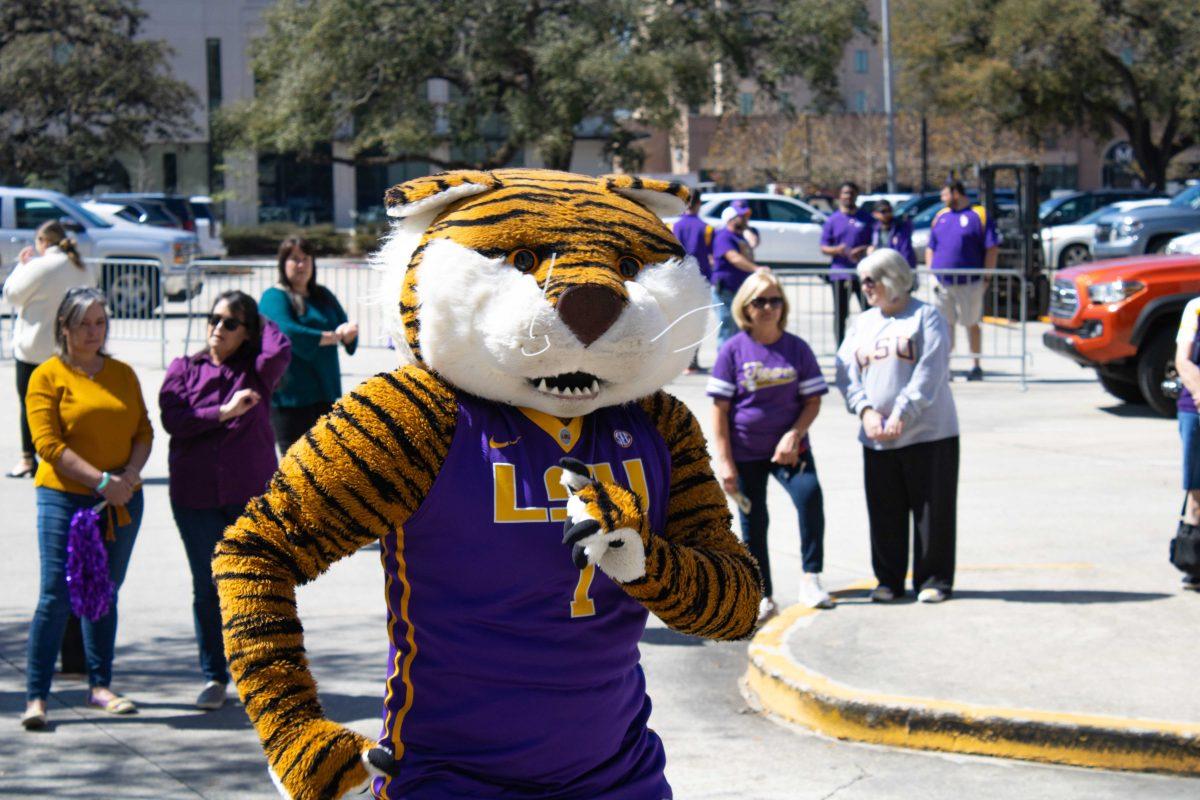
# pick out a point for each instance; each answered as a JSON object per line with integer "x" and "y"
{"x": 263, "y": 240}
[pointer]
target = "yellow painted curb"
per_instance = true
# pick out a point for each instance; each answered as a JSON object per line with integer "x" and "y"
{"x": 796, "y": 693}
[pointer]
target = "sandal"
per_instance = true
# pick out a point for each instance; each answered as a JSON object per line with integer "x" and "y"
{"x": 33, "y": 719}
{"x": 117, "y": 705}
{"x": 22, "y": 471}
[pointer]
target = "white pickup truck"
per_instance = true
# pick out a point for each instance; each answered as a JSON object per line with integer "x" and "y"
{"x": 789, "y": 229}
{"x": 133, "y": 290}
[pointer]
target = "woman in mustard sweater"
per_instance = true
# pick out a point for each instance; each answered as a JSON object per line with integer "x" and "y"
{"x": 92, "y": 434}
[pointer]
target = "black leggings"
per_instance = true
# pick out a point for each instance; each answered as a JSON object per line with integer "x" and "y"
{"x": 23, "y": 372}
{"x": 290, "y": 424}
{"x": 918, "y": 482}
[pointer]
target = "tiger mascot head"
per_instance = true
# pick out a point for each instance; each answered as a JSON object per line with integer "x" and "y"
{"x": 558, "y": 292}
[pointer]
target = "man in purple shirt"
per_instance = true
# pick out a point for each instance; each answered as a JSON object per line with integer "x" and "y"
{"x": 891, "y": 232}
{"x": 731, "y": 264}
{"x": 962, "y": 238}
{"x": 846, "y": 237}
{"x": 696, "y": 237}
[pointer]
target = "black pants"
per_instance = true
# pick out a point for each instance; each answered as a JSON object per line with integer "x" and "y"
{"x": 918, "y": 482}
{"x": 841, "y": 304}
{"x": 289, "y": 424}
{"x": 23, "y": 372}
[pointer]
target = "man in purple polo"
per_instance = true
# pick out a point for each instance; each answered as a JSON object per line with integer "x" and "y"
{"x": 750, "y": 234}
{"x": 962, "y": 238}
{"x": 846, "y": 237}
{"x": 731, "y": 264}
{"x": 696, "y": 237}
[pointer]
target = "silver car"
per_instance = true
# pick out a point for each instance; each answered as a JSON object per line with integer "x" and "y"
{"x": 134, "y": 289}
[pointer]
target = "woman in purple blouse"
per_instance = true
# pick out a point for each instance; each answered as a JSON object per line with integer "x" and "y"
{"x": 216, "y": 407}
{"x": 766, "y": 387}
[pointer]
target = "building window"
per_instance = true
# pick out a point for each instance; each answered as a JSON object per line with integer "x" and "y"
{"x": 170, "y": 173}
{"x": 860, "y": 102}
{"x": 298, "y": 190}
{"x": 746, "y": 103}
{"x": 212, "y": 56}
{"x": 861, "y": 61}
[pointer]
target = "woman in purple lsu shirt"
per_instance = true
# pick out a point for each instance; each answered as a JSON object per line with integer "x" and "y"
{"x": 766, "y": 387}
{"x": 215, "y": 406}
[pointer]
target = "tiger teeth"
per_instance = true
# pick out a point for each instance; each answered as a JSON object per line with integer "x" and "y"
{"x": 595, "y": 389}
{"x": 542, "y": 386}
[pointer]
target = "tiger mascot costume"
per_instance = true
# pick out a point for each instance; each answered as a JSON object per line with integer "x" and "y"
{"x": 534, "y": 491}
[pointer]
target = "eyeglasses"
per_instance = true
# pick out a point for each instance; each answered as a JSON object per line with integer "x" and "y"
{"x": 230, "y": 324}
{"x": 767, "y": 302}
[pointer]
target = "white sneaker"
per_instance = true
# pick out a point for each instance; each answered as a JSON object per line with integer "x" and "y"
{"x": 211, "y": 697}
{"x": 812, "y": 593}
{"x": 882, "y": 594}
{"x": 931, "y": 595}
{"x": 766, "y": 609}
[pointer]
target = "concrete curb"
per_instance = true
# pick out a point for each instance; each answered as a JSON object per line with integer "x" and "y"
{"x": 785, "y": 688}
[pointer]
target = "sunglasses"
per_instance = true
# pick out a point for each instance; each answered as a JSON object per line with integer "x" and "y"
{"x": 230, "y": 324}
{"x": 868, "y": 283}
{"x": 767, "y": 302}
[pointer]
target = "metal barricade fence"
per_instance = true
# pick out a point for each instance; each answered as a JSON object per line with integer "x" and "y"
{"x": 355, "y": 285}
{"x": 810, "y": 297}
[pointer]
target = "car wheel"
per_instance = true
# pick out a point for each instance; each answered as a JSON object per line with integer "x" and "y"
{"x": 1074, "y": 254}
{"x": 1156, "y": 363}
{"x": 1158, "y": 246}
{"x": 131, "y": 290}
{"x": 1126, "y": 391}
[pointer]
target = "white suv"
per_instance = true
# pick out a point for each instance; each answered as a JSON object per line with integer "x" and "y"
{"x": 131, "y": 292}
{"x": 789, "y": 229}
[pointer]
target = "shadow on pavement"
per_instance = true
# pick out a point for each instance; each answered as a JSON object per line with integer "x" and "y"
{"x": 1133, "y": 411}
{"x": 669, "y": 637}
{"x": 1067, "y": 596}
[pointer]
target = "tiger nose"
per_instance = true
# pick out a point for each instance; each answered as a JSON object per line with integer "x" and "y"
{"x": 589, "y": 311}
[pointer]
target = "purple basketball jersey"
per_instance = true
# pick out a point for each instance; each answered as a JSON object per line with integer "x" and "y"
{"x": 498, "y": 643}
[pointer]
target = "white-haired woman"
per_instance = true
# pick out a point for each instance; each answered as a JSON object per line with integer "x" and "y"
{"x": 93, "y": 436}
{"x": 766, "y": 387}
{"x": 894, "y": 370}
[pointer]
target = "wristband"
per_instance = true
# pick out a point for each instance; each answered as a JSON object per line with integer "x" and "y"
{"x": 104, "y": 479}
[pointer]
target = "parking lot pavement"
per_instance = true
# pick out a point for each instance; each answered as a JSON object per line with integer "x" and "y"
{"x": 1058, "y": 474}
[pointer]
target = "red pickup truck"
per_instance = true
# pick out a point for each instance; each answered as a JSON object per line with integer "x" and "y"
{"x": 1121, "y": 317}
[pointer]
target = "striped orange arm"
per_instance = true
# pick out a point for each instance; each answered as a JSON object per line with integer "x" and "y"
{"x": 357, "y": 475}
{"x": 699, "y": 578}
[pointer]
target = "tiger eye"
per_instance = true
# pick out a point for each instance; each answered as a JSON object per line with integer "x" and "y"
{"x": 629, "y": 267}
{"x": 523, "y": 259}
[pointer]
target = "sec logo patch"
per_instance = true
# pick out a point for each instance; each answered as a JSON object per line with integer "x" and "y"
{"x": 623, "y": 438}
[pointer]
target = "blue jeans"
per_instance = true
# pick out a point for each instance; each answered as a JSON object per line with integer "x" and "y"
{"x": 802, "y": 486}
{"x": 1189, "y": 432}
{"x": 201, "y": 529}
{"x": 55, "y": 510}
{"x": 724, "y": 314}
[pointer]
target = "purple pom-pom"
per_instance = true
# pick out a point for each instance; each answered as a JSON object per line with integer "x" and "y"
{"x": 87, "y": 567}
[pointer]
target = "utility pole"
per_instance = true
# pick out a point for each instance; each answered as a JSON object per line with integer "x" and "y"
{"x": 887, "y": 96}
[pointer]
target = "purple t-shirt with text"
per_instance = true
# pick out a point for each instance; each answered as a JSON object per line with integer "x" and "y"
{"x": 725, "y": 275}
{"x": 766, "y": 384}
{"x": 695, "y": 236}
{"x": 852, "y": 230}
{"x": 959, "y": 240}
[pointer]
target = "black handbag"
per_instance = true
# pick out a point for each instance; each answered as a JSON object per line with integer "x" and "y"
{"x": 1185, "y": 549}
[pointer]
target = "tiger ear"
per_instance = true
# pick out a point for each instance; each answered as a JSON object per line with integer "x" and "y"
{"x": 664, "y": 198}
{"x": 435, "y": 192}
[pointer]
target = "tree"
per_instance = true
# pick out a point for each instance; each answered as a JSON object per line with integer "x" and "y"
{"x": 516, "y": 73}
{"x": 1041, "y": 66}
{"x": 77, "y": 87}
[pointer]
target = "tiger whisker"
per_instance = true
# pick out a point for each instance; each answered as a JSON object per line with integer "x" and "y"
{"x": 680, "y": 318}
{"x": 533, "y": 319}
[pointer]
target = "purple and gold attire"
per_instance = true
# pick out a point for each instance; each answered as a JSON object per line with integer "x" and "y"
{"x": 767, "y": 385}
{"x": 959, "y": 240}
{"x": 561, "y": 644}
{"x": 696, "y": 237}
{"x": 852, "y": 230}
{"x": 898, "y": 237}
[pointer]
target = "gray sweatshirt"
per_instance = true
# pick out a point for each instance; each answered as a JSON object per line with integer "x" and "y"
{"x": 900, "y": 364}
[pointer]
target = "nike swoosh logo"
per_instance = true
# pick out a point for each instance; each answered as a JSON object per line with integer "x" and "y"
{"x": 501, "y": 445}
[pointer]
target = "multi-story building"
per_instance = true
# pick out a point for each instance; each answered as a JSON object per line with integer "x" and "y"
{"x": 210, "y": 43}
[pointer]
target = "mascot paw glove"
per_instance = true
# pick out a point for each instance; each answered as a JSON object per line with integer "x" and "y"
{"x": 605, "y": 524}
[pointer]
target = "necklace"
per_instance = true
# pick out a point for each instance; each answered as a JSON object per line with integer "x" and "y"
{"x": 90, "y": 373}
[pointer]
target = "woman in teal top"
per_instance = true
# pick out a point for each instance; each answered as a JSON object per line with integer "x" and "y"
{"x": 312, "y": 318}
